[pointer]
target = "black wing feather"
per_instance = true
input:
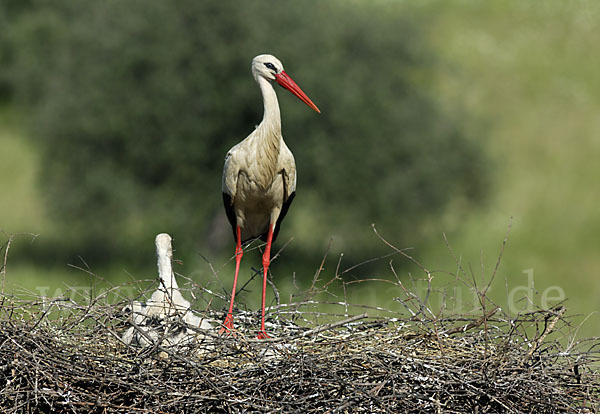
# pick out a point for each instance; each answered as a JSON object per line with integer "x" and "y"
{"x": 284, "y": 209}
{"x": 230, "y": 211}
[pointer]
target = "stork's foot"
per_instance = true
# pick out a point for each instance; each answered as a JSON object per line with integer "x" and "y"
{"x": 262, "y": 335}
{"x": 227, "y": 328}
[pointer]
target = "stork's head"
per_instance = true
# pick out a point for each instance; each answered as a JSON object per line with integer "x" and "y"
{"x": 163, "y": 245}
{"x": 266, "y": 66}
{"x": 271, "y": 68}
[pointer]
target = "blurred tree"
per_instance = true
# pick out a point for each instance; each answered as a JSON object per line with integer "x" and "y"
{"x": 136, "y": 103}
{"x": 10, "y": 11}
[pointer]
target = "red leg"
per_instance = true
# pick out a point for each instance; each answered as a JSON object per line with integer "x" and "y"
{"x": 228, "y": 324}
{"x": 266, "y": 261}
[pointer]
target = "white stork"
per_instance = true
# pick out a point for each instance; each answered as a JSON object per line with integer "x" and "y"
{"x": 259, "y": 177}
{"x": 166, "y": 306}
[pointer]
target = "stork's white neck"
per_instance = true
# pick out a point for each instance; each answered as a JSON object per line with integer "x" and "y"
{"x": 271, "y": 123}
{"x": 165, "y": 271}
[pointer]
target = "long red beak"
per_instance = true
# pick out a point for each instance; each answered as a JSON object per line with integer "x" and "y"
{"x": 288, "y": 83}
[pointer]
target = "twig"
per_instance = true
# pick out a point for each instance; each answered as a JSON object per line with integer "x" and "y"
{"x": 547, "y": 329}
{"x": 334, "y": 325}
{"x": 6, "y": 247}
{"x": 473, "y": 324}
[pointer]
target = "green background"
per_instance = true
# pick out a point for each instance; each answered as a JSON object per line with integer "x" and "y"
{"x": 455, "y": 117}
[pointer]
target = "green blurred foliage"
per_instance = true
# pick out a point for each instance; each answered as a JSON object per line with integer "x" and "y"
{"x": 135, "y": 104}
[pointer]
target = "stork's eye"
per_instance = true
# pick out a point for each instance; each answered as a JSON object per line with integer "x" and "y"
{"x": 271, "y": 66}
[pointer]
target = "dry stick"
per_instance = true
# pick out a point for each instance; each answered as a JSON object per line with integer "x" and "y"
{"x": 273, "y": 258}
{"x": 95, "y": 404}
{"x": 337, "y": 277}
{"x": 186, "y": 361}
{"x": 407, "y": 292}
{"x": 547, "y": 330}
{"x": 401, "y": 251}
{"x": 423, "y": 304}
{"x": 215, "y": 273}
{"x": 3, "y": 270}
{"x": 212, "y": 269}
{"x": 334, "y": 325}
{"x": 316, "y": 330}
{"x": 473, "y": 324}
{"x": 321, "y": 266}
{"x": 276, "y": 255}
{"x": 483, "y": 294}
{"x": 310, "y": 293}
{"x": 6, "y": 247}
{"x": 375, "y": 259}
{"x": 500, "y": 255}
{"x": 395, "y": 392}
{"x": 275, "y": 290}
{"x": 457, "y": 260}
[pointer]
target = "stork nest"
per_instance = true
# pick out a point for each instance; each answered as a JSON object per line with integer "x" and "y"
{"x": 69, "y": 355}
{"x": 63, "y": 356}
